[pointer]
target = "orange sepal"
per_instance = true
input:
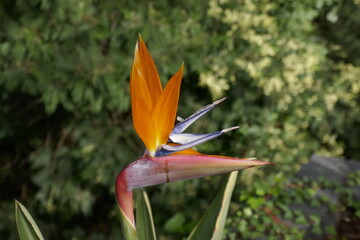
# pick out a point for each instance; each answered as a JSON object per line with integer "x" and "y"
{"x": 142, "y": 103}
{"x": 149, "y": 72}
{"x": 165, "y": 109}
{"x": 188, "y": 151}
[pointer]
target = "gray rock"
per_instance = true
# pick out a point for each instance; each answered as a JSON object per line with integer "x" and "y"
{"x": 333, "y": 169}
{"x": 356, "y": 193}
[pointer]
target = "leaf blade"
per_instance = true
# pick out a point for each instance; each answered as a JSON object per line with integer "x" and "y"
{"x": 27, "y": 228}
{"x": 144, "y": 219}
{"x": 128, "y": 229}
{"x": 211, "y": 225}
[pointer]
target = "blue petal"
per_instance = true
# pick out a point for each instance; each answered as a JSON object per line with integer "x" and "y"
{"x": 181, "y": 126}
{"x": 163, "y": 152}
{"x": 200, "y": 139}
{"x": 189, "y": 140}
{"x": 184, "y": 138}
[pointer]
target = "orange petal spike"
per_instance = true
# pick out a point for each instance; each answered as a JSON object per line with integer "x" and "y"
{"x": 165, "y": 109}
{"x": 138, "y": 85}
{"x": 144, "y": 126}
{"x": 149, "y": 72}
{"x": 142, "y": 103}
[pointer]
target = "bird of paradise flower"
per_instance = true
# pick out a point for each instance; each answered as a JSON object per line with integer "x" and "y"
{"x": 168, "y": 155}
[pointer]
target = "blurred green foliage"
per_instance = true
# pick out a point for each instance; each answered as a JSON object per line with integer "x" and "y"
{"x": 291, "y": 70}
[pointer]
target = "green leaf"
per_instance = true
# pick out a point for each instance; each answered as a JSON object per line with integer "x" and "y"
{"x": 211, "y": 225}
{"x": 144, "y": 219}
{"x": 128, "y": 229}
{"x": 27, "y": 228}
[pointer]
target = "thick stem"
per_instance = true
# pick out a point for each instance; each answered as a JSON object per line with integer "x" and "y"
{"x": 124, "y": 197}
